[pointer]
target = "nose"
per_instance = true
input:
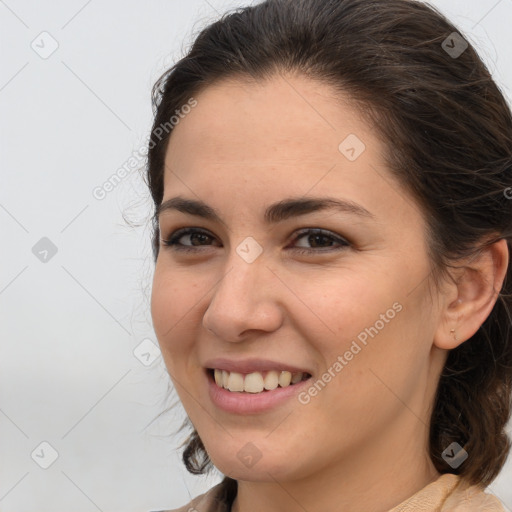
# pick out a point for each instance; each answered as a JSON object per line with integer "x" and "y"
{"x": 244, "y": 300}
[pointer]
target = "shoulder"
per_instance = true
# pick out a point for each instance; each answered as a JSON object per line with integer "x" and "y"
{"x": 469, "y": 498}
{"x": 450, "y": 493}
{"x": 214, "y": 500}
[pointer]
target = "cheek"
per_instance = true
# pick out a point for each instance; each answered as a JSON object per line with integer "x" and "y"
{"x": 340, "y": 307}
{"x": 172, "y": 305}
{"x": 162, "y": 309}
{"x": 369, "y": 324}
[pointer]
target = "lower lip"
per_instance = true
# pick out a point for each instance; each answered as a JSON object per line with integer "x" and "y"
{"x": 247, "y": 403}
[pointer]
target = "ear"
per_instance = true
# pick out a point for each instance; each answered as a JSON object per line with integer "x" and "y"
{"x": 470, "y": 299}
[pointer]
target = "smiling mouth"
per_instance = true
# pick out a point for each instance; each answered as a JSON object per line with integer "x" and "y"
{"x": 255, "y": 382}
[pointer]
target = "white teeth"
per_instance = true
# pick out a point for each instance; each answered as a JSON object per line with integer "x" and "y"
{"x": 225, "y": 377}
{"x": 235, "y": 382}
{"x": 253, "y": 383}
{"x": 271, "y": 380}
{"x": 256, "y": 382}
{"x": 284, "y": 379}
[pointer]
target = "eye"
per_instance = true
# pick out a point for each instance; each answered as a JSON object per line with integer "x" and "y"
{"x": 321, "y": 240}
{"x": 195, "y": 236}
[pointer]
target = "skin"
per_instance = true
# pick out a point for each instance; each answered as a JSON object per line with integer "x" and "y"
{"x": 360, "y": 444}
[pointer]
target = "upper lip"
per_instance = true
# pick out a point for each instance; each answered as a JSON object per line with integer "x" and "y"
{"x": 251, "y": 365}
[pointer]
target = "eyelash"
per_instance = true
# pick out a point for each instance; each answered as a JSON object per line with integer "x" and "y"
{"x": 172, "y": 241}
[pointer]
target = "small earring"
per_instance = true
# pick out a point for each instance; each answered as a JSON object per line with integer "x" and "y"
{"x": 453, "y": 332}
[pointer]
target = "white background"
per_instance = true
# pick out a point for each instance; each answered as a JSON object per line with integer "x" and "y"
{"x": 70, "y": 325}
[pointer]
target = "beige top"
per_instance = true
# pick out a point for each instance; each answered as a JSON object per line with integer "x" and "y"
{"x": 449, "y": 493}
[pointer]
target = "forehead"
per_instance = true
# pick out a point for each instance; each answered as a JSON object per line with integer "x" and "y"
{"x": 286, "y": 122}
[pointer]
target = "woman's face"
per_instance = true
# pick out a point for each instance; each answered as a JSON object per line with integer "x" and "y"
{"x": 350, "y": 306}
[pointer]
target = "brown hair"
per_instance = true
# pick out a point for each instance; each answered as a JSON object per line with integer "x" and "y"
{"x": 448, "y": 132}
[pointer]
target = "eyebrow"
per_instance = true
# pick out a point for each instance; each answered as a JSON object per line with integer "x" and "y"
{"x": 276, "y": 212}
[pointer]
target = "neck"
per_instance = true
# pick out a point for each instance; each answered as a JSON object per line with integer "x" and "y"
{"x": 372, "y": 479}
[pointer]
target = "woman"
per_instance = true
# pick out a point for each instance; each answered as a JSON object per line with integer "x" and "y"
{"x": 331, "y": 235}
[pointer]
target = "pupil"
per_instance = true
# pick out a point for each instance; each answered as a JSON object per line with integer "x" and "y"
{"x": 316, "y": 238}
{"x": 196, "y": 235}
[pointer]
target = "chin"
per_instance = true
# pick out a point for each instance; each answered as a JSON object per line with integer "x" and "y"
{"x": 240, "y": 466}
